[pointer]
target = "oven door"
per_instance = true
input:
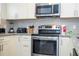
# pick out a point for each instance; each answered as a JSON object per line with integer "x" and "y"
{"x": 45, "y": 47}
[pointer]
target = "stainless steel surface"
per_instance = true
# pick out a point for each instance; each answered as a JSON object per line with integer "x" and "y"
{"x": 46, "y": 38}
{"x": 39, "y": 55}
{"x": 49, "y": 27}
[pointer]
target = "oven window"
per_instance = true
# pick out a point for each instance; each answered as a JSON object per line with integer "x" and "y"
{"x": 44, "y": 9}
{"x": 46, "y": 47}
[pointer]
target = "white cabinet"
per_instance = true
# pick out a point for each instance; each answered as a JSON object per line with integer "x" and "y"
{"x": 65, "y": 46}
{"x": 0, "y": 10}
{"x": 9, "y": 46}
{"x": 5, "y": 51}
{"x": 77, "y": 9}
{"x": 26, "y": 11}
{"x": 24, "y": 45}
{"x": 3, "y": 10}
{"x": 21, "y": 11}
{"x": 15, "y": 45}
{"x": 1, "y": 45}
{"x": 3, "y": 15}
{"x": 12, "y": 40}
{"x": 69, "y": 10}
{"x": 12, "y": 11}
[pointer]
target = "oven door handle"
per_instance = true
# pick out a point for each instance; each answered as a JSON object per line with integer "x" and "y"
{"x": 45, "y": 38}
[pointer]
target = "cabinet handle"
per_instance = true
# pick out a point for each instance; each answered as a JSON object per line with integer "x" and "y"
{"x": 25, "y": 45}
{"x": 75, "y": 13}
{"x": 16, "y": 15}
{"x": 18, "y": 40}
{"x": 26, "y": 38}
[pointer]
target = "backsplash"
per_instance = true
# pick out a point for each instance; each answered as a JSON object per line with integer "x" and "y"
{"x": 69, "y": 22}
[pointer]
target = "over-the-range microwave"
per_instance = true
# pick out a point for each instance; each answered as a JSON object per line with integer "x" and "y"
{"x": 48, "y": 10}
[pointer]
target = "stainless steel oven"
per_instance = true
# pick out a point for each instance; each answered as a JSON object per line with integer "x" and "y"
{"x": 45, "y": 45}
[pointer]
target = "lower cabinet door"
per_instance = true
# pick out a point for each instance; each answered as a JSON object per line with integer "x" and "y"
{"x": 64, "y": 47}
{"x": 12, "y": 47}
{"x": 18, "y": 45}
{"x": 26, "y": 48}
{"x": 5, "y": 50}
{"x": 9, "y": 46}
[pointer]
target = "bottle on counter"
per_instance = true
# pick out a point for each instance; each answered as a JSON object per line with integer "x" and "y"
{"x": 30, "y": 29}
{"x": 63, "y": 30}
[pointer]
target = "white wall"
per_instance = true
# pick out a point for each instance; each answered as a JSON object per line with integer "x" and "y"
{"x": 68, "y": 22}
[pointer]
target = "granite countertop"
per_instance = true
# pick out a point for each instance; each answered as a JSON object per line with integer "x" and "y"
{"x": 64, "y": 36}
{"x": 10, "y": 34}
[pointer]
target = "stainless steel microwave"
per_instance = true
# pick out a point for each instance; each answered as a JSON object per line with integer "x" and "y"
{"x": 47, "y": 10}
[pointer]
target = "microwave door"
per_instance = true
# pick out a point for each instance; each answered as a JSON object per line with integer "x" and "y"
{"x": 46, "y": 9}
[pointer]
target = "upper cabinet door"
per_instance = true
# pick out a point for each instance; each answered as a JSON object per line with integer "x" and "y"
{"x": 3, "y": 15}
{"x": 12, "y": 11}
{"x": 0, "y": 13}
{"x": 67, "y": 10}
{"x": 30, "y": 11}
{"x": 0, "y": 10}
{"x": 77, "y": 9}
{"x": 21, "y": 11}
{"x": 3, "y": 10}
{"x": 26, "y": 11}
